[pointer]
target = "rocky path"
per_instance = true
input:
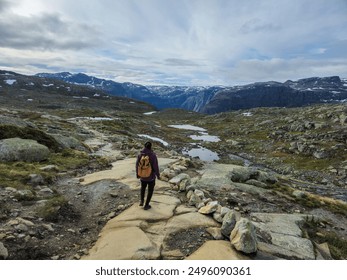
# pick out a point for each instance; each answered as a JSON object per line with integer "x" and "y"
{"x": 186, "y": 224}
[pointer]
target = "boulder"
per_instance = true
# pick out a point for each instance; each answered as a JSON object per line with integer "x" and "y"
{"x": 229, "y": 222}
{"x": 17, "y": 149}
{"x": 177, "y": 179}
{"x": 243, "y": 237}
{"x": 242, "y": 174}
{"x": 3, "y": 252}
{"x": 68, "y": 142}
{"x": 285, "y": 232}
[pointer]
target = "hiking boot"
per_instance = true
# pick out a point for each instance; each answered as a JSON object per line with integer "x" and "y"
{"x": 141, "y": 203}
{"x": 147, "y": 207}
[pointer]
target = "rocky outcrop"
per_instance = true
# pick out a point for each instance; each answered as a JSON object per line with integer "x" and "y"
{"x": 243, "y": 237}
{"x": 16, "y": 149}
{"x": 284, "y": 234}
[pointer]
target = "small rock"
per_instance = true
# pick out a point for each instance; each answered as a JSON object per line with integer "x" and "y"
{"x": 224, "y": 210}
{"x": 36, "y": 179}
{"x": 113, "y": 193}
{"x": 218, "y": 217}
{"x": 120, "y": 207}
{"x": 45, "y": 192}
{"x": 21, "y": 228}
{"x": 9, "y": 189}
{"x": 48, "y": 227}
{"x": 111, "y": 215}
{"x": 3, "y": 251}
{"x": 211, "y": 207}
{"x": 215, "y": 232}
{"x": 189, "y": 194}
{"x": 50, "y": 167}
{"x": 299, "y": 194}
{"x": 200, "y": 194}
{"x": 194, "y": 200}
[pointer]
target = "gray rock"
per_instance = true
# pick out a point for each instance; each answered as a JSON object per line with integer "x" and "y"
{"x": 215, "y": 232}
{"x": 218, "y": 217}
{"x": 285, "y": 232}
{"x": 16, "y": 149}
{"x": 177, "y": 179}
{"x": 3, "y": 251}
{"x": 194, "y": 200}
{"x": 199, "y": 193}
{"x": 211, "y": 207}
{"x": 256, "y": 183}
{"x": 36, "y": 179}
{"x": 241, "y": 174}
{"x": 183, "y": 184}
{"x": 243, "y": 236}
{"x": 266, "y": 177}
{"x": 321, "y": 154}
{"x": 224, "y": 210}
{"x": 45, "y": 192}
{"x": 229, "y": 222}
{"x": 50, "y": 167}
{"x": 68, "y": 142}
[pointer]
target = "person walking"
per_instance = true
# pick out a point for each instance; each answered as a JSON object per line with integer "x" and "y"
{"x": 147, "y": 170}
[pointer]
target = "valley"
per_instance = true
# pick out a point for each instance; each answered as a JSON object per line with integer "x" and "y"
{"x": 276, "y": 167}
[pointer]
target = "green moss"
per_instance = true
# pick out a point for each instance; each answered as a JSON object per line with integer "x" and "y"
{"x": 16, "y": 174}
{"x": 50, "y": 210}
{"x": 69, "y": 159}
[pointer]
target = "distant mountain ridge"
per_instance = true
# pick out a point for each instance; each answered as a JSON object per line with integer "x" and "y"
{"x": 274, "y": 94}
{"x": 216, "y": 99}
{"x": 185, "y": 97}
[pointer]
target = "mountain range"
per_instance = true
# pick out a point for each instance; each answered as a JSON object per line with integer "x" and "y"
{"x": 215, "y": 99}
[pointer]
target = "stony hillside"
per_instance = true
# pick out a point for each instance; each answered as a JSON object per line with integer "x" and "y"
{"x": 67, "y": 176}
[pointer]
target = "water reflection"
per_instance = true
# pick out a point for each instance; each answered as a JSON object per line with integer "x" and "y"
{"x": 202, "y": 153}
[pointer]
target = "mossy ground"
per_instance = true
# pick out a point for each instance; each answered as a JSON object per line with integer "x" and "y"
{"x": 16, "y": 174}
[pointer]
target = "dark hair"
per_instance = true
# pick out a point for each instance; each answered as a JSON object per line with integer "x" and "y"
{"x": 148, "y": 145}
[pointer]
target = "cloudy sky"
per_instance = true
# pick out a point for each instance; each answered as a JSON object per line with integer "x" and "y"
{"x": 176, "y": 42}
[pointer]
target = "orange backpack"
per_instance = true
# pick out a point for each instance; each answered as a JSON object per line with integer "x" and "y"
{"x": 144, "y": 169}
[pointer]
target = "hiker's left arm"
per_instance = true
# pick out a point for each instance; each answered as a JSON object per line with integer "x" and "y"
{"x": 156, "y": 167}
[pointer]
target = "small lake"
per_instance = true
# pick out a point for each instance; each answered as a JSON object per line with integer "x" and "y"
{"x": 202, "y": 153}
{"x": 205, "y": 137}
{"x": 199, "y": 151}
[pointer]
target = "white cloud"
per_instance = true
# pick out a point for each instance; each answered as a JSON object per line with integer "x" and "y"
{"x": 182, "y": 41}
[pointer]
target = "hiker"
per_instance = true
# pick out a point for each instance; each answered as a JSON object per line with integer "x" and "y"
{"x": 147, "y": 170}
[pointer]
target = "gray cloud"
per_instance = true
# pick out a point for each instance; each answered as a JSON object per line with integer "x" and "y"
{"x": 180, "y": 62}
{"x": 258, "y": 25}
{"x": 182, "y": 41}
{"x": 46, "y": 31}
{"x": 4, "y": 4}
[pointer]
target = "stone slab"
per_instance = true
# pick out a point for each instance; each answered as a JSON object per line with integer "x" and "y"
{"x": 217, "y": 250}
